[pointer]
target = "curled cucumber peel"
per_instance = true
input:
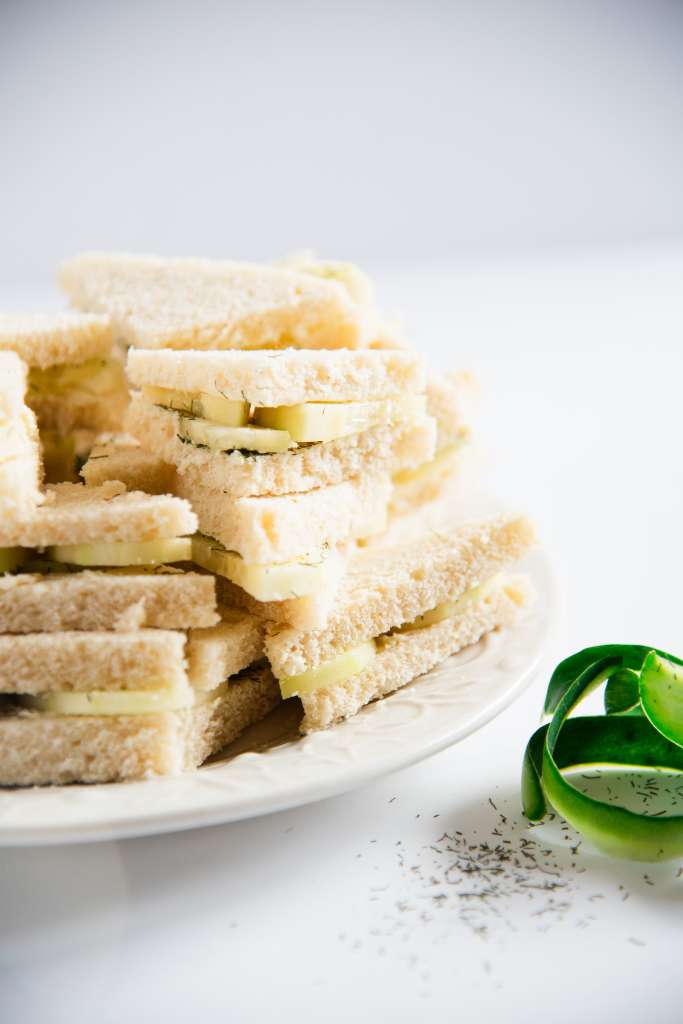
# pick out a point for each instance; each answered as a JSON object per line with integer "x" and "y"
{"x": 642, "y": 729}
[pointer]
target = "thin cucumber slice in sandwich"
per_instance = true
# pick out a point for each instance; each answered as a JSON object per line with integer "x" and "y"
{"x": 276, "y": 582}
{"x": 346, "y": 665}
{"x": 122, "y": 553}
{"x": 226, "y": 439}
{"x": 225, "y": 411}
{"x": 120, "y": 702}
{"x": 449, "y": 609}
{"x": 327, "y": 421}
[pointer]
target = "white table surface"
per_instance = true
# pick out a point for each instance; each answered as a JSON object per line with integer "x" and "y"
{"x": 328, "y": 913}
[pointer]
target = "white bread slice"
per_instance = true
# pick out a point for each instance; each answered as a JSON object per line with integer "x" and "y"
{"x": 122, "y": 458}
{"x": 54, "y": 339}
{"x": 382, "y": 449}
{"x": 287, "y": 377}
{"x": 20, "y": 462}
{"x": 76, "y": 514}
{"x": 299, "y": 527}
{"x": 213, "y": 304}
{"x": 87, "y": 600}
{"x": 402, "y": 657}
{"x": 217, "y": 653}
{"x": 386, "y": 588}
{"x": 38, "y": 749}
{"x": 147, "y": 659}
{"x": 144, "y": 659}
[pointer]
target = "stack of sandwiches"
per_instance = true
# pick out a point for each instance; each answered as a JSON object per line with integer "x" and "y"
{"x": 115, "y": 663}
{"x": 230, "y": 546}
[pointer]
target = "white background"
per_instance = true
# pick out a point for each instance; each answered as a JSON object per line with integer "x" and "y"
{"x": 461, "y": 150}
{"x": 369, "y": 130}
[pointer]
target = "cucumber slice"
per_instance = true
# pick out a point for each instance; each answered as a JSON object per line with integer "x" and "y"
{"x": 221, "y": 410}
{"x": 276, "y": 582}
{"x": 337, "y": 670}
{"x": 211, "y": 407}
{"x": 326, "y": 421}
{"x": 321, "y": 421}
{"x": 120, "y": 702}
{"x": 449, "y": 609}
{"x": 12, "y": 558}
{"x": 225, "y": 439}
{"x": 661, "y": 696}
{"x": 146, "y": 552}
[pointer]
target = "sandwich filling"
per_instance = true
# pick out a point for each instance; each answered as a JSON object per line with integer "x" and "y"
{"x": 217, "y": 423}
{"x": 121, "y": 702}
{"x": 273, "y": 582}
{"x": 355, "y": 660}
{"x": 120, "y": 554}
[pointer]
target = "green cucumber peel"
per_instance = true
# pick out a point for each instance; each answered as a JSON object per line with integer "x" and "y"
{"x": 642, "y": 728}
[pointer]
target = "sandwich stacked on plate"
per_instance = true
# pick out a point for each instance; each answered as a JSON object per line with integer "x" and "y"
{"x": 281, "y": 430}
{"x": 115, "y": 662}
{"x": 124, "y": 669}
{"x": 400, "y": 612}
{"x": 20, "y": 464}
{"x": 273, "y": 400}
{"x": 286, "y": 457}
{"x": 76, "y": 381}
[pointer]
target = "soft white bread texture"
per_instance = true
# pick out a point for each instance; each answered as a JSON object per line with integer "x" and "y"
{"x": 402, "y": 657}
{"x": 147, "y": 659}
{"x": 288, "y": 527}
{"x": 168, "y": 599}
{"x": 54, "y": 339}
{"x": 205, "y": 304}
{"x": 219, "y": 652}
{"x": 76, "y": 514}
{"x": 124, "y": 459}
{"x": 39, "y": 749}
{"x": 301, "y": 526}
{"x": 20, "y": 462}
{"x": 386, "y": 588}
{"x": 143, "y": 659}
{"x": 269, "y": 379}
{"x": 382, "y": 449}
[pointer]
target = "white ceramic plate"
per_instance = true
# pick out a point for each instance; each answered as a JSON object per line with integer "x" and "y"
{"x": 270, "y": 769}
